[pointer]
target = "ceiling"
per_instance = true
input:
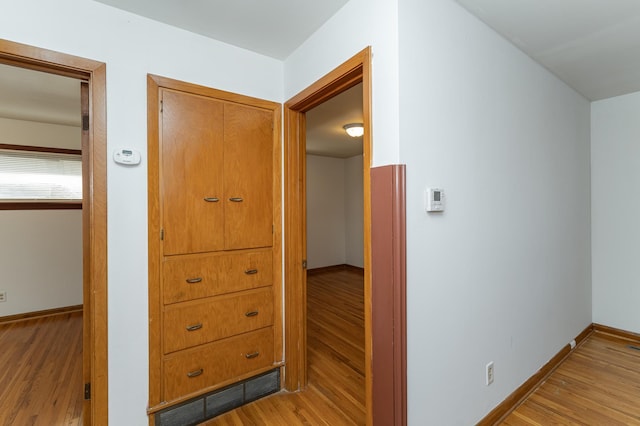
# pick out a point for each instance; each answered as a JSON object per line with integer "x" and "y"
{"x": 273, "y": 28}
{"x": 592, "y": 45}
{"x": 39, "y": 96}
{"x": 325, "y": 133}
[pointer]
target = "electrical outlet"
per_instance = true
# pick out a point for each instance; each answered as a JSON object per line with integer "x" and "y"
{"x": 489, "y": 377}
{"x": 3, "y": 295}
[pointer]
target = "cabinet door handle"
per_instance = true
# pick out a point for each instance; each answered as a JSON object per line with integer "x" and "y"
{"x": 251, "y": 314}
{"x": 195, "y": 373}
{"x": 194, "y": 280}
{"x": 194, "y": 327}
{"x": 211, "y": 199}
{"x": 251, "y": 271}
{"x": 236, "y": 199}
{"x": 252, "y": 355}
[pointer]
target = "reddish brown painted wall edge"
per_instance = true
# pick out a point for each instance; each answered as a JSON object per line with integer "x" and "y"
{"x": 388, "y": 295}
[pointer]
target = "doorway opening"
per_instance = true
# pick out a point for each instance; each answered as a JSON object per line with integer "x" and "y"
{"x": 335, "y": 254}
{"x": 351, "y": 73}
{"x": 92, "y": 74}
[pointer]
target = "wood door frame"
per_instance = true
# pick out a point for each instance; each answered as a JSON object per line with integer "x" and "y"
{"x": 355, "y": 70}
{"x": 94, "y": 212}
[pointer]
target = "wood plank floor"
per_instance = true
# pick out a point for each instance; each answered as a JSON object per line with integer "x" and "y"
{"x": 335, "y": 394}
{"x": 598, "y": 384}
{"x": 41, "y": 374}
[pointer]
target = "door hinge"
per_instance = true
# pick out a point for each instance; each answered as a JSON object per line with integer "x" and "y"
{"x": 161, "y": 105}
{"x": 162, "y": 235}
{"x": 304, "y": 264}
{"x": 85, "y": 122}
{"x": 87, "y": 391}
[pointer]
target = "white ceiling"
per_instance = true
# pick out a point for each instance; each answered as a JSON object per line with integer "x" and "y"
{"x": 273, "y": 28}
{"x": 592, "y": 45}
{"x": 38, "y": 96}
{"x": 325, "y": 133}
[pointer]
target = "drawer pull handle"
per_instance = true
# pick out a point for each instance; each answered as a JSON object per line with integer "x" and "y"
{"x": 251, "y": 314}
{"x": 195, "y": 373}
{"x": 251, "y": 271}
{"x": 211, "y": 199}
{"x": 194, "y": 280}
{"x": 236, "y": 199}
{"x": 194, "y": 327}
{"x": 252, "y": 355}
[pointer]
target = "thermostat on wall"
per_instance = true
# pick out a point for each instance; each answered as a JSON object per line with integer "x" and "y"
{"x": 127, "y": 156}
{"x": 434, "y": 200}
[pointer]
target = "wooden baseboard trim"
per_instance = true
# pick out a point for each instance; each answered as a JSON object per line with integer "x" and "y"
{"x": 38, "y": 314}
{"x": 335, "y": 268}
{"x": 622, "y": 334}
{"x": 505, "y": 408}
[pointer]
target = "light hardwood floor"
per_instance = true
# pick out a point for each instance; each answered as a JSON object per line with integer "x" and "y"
{"x": 41, "y": 374}
{"x": 335, "y": 394}
{"x": 41, "y": 359}
{"x": 598, "y": 384}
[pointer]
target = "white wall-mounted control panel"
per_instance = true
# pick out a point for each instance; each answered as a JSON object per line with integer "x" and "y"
{"x": 126, "y": 156}
{"x": 434, "y": 200}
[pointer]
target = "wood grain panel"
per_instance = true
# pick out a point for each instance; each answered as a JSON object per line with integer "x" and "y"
{"x": 155, "y": 256}
{"x": 194, "y": 323}
{"x": 248, "y": 175}
{"x": 216, "y": 362}
{"x": 215, "y": 273}
{"x": 192, "y": 173}
{"x": 295, "y": 251}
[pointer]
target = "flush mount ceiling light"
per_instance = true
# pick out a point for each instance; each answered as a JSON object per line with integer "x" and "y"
{"x": 355, "y": 130}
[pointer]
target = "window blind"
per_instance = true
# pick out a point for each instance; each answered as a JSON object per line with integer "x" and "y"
{"x": 39, "y": 176}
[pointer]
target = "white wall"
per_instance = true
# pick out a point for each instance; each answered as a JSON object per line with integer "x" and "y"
{"x": 40, "y": 259}
{"x": 354, "y": 212}
{"x": 503, "y": 274}
{"x": 334, "y": 211}
{"x": 132, "y": 47}
{"x": 40, "y": 250}
{"x": 615, "y": 206}
{"x": 326, "y": 227}
{"x": 341, "y": 38}
{"x": 509, "y": 281}
{"x": 21, "y": 132}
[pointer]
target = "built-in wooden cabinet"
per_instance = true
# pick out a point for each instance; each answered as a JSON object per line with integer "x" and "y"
{"x": 215, "y": 287}
{"x": 216, "y": 176}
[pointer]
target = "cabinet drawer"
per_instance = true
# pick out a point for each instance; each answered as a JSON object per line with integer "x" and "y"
{"x": 195, "y": 277}
{"x": 194, "y": 323}
{"x": 190, "y": 370}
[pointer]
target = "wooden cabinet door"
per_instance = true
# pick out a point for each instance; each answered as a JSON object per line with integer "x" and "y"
{"x": 248, "y": 177}
{"x": 191, "y": 173}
